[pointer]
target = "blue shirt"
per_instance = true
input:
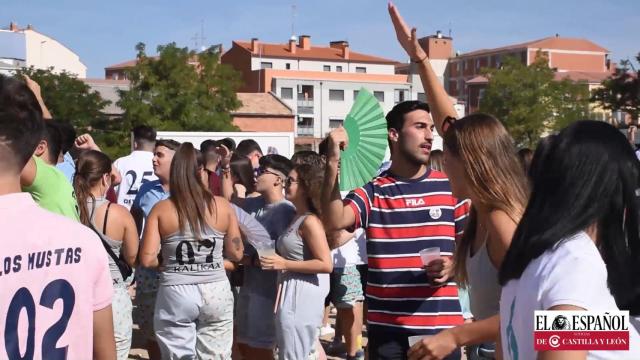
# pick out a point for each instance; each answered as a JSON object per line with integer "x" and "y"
{"x": 148, "y": 195}
{"x": 68, "y": 167}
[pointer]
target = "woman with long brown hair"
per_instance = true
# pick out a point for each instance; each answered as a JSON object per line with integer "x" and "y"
{"x": 190, "y": 230}
{"x": 481, "y": 163}
{"x": 115, "y": 226}
{"x": 305, "y": 263}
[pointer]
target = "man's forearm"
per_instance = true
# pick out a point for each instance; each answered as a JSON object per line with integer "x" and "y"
{"x": 437, "y": 98}
{"x": 332, "y": 207}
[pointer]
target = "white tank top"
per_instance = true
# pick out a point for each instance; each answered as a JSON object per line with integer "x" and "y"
{"x": 484, "y": 292}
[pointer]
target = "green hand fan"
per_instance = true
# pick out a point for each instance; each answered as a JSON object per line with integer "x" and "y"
{"x": 367, "y": 131}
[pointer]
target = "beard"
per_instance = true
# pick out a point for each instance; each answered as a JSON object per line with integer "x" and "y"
{"x": 413, "y": 157}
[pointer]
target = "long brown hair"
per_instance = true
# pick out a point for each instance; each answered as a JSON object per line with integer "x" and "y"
{"x": 91, "y": 167}
{"x": 192, "y": 199}
{"x": 493, "y": 174}
{"x": 242, "y": 169}
{"x": 310, "y": 178}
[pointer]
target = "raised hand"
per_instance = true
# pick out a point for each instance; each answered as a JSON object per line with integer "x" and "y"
{"x": 338, "y": 140}
{"x": 406, "y": 37}
{"x": 85, "y": 142}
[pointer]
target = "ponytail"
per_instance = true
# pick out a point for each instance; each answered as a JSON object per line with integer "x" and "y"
{"x": 91, "y": 166}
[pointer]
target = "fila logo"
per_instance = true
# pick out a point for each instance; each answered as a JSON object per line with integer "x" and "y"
{"x": 414, "y": 202}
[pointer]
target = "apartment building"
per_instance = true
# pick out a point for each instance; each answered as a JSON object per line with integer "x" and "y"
{"x": 577, "y": 59}
{"x": 320, "y": 82}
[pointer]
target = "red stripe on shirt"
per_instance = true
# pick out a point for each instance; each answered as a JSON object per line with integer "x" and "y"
{"x": 416, "y": 320}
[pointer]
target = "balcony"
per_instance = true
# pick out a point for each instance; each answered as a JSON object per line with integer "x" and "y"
{"x": 305, "y": 106}
{"x": 305, "y": 130}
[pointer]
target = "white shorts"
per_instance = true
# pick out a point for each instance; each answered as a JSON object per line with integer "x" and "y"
{"x": 194, "y": 321}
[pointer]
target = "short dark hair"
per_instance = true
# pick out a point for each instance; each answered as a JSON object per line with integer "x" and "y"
{"x": 308, "y": 157}
{"x": 21, "y": 123}
{"x": 68, "y": 134}
{"x": 168, "y": 143}
{"x": 276, "y": 162}
{"x": 247, "y": 146}
{"x": 395, "y": 117}
{"x": 230, "y": 144}
{"x": 208, "y": 145}
{"x": 54, "y": 140}
{"x": 144, "y": 133}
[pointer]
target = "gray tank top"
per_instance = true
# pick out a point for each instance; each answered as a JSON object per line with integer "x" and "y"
{"x": 115, "y": 246}
{"x": 484, "y": 293}
{"x": 290, "y": 245}
{"x": 187, "y": 260}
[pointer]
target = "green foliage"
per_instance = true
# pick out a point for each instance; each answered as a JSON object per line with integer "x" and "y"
{"x": 530, "y": 102}
{"x": 621, "y": 92}
{"x": 67, "y": 98}
{"x": 180, "y": 90}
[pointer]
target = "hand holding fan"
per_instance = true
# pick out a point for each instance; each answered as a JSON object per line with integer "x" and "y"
{"x": 366, "y": 128}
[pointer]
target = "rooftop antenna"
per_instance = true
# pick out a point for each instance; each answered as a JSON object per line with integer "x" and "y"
{"x": 293, "y": 20}
{"x": 198, "y": 39}
{"x": 449, "y": 28}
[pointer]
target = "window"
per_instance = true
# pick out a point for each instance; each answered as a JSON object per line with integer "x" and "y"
{"x": 477, "y": 63}
{"x": 355, "y": 94}
{"x": 422, "y": 97}
{"x": 336, "y": 95}
{"x": 286, "y": 93}
{"x": 335, "y": 123}
{"x": 399, "y": 95}
{"x": 338, "y": 68}
{"x": 266, "y": 65}
{"x": 361, "y": 69}
{"x": 379, "y": 95}
{"x": 326, "y": 68}
{"x": 287, "y": 66}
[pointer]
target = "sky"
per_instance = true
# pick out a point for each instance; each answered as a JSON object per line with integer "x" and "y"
{"x": 104, "y": 33}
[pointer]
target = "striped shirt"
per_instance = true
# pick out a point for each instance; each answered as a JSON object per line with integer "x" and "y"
{"x": 402, "y": 217}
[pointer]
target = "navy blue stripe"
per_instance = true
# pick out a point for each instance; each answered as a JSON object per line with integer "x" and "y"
{"x": 405, "y": 277}
{"x": 379, "y": 332}
{"x": 410, "y": 189}
{"x": 415, "y": 306}
{"x": 419, "y": 215}
{"x": 409, "y": 246}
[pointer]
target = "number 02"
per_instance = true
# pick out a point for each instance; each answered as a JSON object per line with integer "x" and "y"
{"x": 57, "y": 289}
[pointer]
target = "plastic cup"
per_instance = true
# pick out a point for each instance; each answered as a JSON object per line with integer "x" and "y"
{"x": 414, "y": 339}
{"x": 266, "y": 252}
{"x": 429, "y": 254}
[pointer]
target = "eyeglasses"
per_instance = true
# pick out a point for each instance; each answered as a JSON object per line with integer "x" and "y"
{"x": 290, "y": 181}
{"x": 261, "y": 171}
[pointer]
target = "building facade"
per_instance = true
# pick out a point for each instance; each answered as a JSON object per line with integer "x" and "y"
{"x": 27, "y": 47}
{"x": 577, "y": 59}
{"x": 320, "y": 83}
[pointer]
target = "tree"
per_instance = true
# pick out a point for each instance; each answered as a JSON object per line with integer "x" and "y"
{"x": 528, "y": 100}
{"x": 621, "y": 91}
{"x": 67, "y": 98}
{"x": 180, "y": 90}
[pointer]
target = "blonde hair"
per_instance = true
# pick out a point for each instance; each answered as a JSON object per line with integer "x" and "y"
{"x": 493, "y": 173}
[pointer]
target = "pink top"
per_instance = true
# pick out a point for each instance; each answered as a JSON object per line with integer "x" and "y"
{"x": 53, "y": 275}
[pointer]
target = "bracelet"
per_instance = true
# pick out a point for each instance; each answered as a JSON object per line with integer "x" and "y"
{"x": 421, "y": 60}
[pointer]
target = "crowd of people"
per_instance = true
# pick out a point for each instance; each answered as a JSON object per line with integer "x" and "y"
{"x": 171, "y": 226}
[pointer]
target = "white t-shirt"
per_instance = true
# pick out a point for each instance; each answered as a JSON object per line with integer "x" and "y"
{"x": 135, "y": 169}
{"x": 353, "y": 252}
{"x": 571, "y": 274}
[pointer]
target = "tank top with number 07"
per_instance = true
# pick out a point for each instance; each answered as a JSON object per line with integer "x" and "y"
{"x": 189, "y": 260}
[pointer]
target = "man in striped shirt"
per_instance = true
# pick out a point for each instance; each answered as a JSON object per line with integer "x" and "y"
{"x": 404, "y": 210}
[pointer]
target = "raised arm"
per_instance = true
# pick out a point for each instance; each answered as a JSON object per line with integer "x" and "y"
{"x": 336, "y": 216}
{"x": 437, "y": 98}
{"x": 35, "y": 89}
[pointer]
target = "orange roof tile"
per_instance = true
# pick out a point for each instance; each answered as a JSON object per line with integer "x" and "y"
{"x": 263, "y": 104}
{"x": 314, "y": 53}
{"x": 556, "y": 43}
{"x": 477, "y": 80}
